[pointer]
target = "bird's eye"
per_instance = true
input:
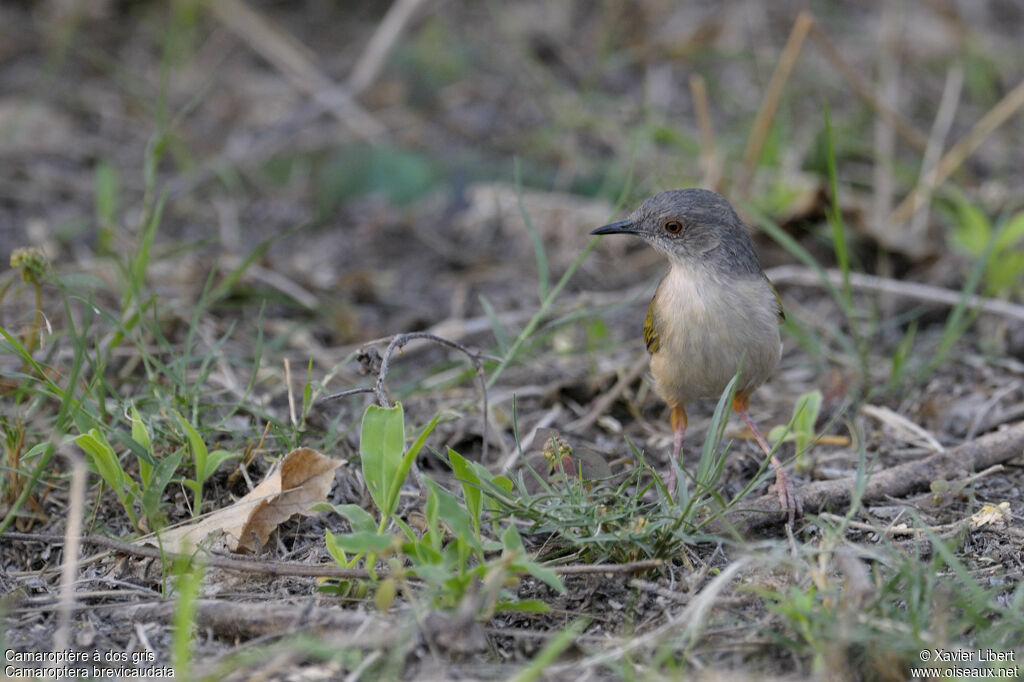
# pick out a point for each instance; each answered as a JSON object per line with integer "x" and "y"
{"x": 673, "y": 227}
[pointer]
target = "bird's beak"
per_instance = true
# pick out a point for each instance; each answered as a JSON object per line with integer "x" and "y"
{"x": 621, "y": 227}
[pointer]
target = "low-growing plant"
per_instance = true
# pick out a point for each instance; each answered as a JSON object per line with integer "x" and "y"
{"x": 154, "y": 473}
{"x": 800, "y": 429}
{"x": 900, "y": 606}
{"x": 204, "y": 462}
{"x": 973, "y": 232}
{"x": 448, "y": 554}
{"x": 615, "y": 519}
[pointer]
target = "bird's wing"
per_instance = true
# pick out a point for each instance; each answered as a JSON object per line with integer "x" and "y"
{"x": 778, "y": 300}
{"x": 651, "y": 338}
{"x": 650, "y": 335}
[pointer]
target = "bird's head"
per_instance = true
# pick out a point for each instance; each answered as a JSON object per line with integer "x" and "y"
{"x": 691, "y": 226}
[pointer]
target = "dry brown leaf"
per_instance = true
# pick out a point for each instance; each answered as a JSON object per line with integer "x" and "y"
{"x": 992, "y": 515}
{"x": 303, "y": 478}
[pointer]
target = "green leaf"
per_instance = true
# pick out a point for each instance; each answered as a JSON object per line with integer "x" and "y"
{"x": 1011, "y": 233}
{"x": 214, "y": 460}
{"x": 454, "y": 515}
{"x": 199, "y": 461}
{"x": 435, "y": 534}
{"x": 545, "y": 575}
{"x": 470, "y": 487}
{"x": 511, "y": 541}
{"x": 422, "y": 553}
{"x": 105, "y": 186}
{"x": 495, "y": 488}
{"x": 141, "y": 436}
{"x": 360, "y": 519}
{"x": 499, "y": 332}
{"x": 335, "y": 550}
{"x": 154, "y": 490}
{"x": 523, "y": 606}
{"x": 103, "y": 458}
{"x": 501, "y": 482}
{"x": 385, "y": 594}
{"x": 973, "y": 229}
{"x": 196, "y": 445}
{"x": 365, "y": 542}
{"x": 805, "y": 416}
{"x": 106, "y": 463}
{"x": 307, "y": 394}
{"x": 1005, "y": 272}
{"x": 406, "y": 462}
{"x": 513, "y": 544}
{"x": 381, "y": 442}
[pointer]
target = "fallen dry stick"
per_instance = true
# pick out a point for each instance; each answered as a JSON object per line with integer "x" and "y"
{"x": 260, "y": 618}
{"x": 975, "y": 455}
{"x": 290, "y": 568}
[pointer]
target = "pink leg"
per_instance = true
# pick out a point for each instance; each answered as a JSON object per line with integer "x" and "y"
{"x": 787, "y": 493}
{"x": 678, "y": 420}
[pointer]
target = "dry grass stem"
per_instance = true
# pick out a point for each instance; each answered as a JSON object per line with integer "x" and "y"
{"x": 72, "y": 551}
{"x": 710, "y": 163}
{"x": 770, "y": 101}
{"x": 296, "y": 64}
{"x": 912, "y": 433}
{"x": 936, "y": 142}
{"x": 864, "y": 91}
{"x": 380, "y": 44}
{"x": 958, "y": 153}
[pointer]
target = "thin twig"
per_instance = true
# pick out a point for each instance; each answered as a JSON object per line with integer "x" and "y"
{"x": 260, "y": 566}
{"x": 351, "y": 391}
{"x": 796, "y": 274}
{"x": 628, "y": 567}
{"x": 289, "y": 568}
{"x": 400, "y": 340}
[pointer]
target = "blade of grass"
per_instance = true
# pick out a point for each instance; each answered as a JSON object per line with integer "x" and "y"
{"x": 540, "y": 253}
{"x": 499, "y": 332}
{"x": 958, "y": 320}
{"x": 547, "y": 301}
{"x": 835, "y": 218}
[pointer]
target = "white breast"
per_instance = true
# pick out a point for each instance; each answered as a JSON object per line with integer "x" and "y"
{"x": 706, "y": 325}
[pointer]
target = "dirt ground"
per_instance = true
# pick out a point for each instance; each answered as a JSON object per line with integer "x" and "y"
{"x": 377, "y": 194}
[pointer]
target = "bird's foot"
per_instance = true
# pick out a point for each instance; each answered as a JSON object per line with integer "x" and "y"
{"x": 788, "y": 498}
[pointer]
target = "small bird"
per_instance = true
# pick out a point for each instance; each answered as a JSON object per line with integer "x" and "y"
{"x": 713, "y": 312}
